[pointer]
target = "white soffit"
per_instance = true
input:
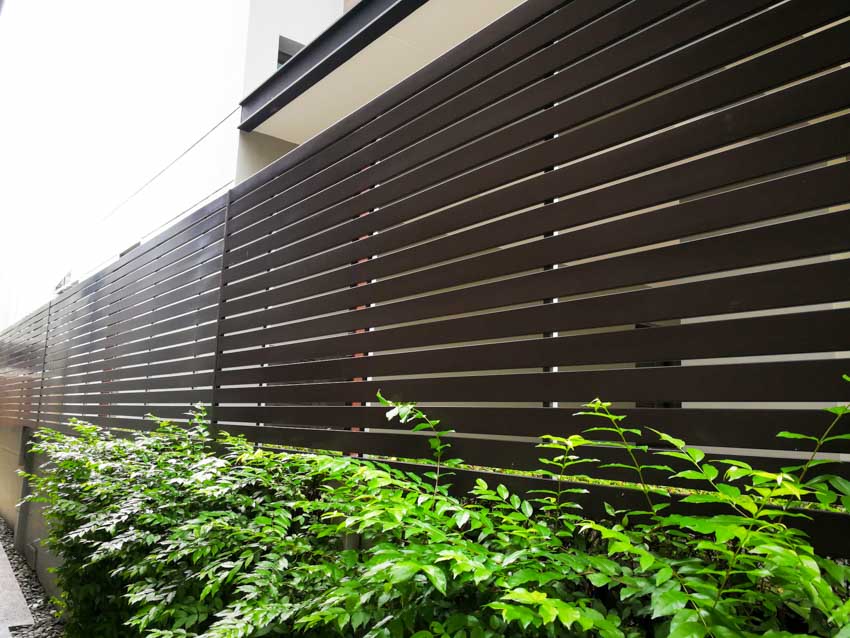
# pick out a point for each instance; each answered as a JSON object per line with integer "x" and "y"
{"x": 426, "y": 34}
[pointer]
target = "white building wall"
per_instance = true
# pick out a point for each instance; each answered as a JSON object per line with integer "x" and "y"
{"x": 299, "y": 20}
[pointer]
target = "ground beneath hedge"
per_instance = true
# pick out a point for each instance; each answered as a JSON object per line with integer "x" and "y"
{"x": 44, "y": 623}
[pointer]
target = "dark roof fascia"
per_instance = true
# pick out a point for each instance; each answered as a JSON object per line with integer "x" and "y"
{"x": 355, "y": 30}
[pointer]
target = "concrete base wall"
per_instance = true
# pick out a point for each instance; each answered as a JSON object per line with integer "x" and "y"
{"x": 31, "y": 529}
{"x": 10, "y": 482}
{"x": 27, "y": 521}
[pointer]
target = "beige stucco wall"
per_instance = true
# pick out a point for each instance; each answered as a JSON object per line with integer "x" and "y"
{"x": 256, "y": 151}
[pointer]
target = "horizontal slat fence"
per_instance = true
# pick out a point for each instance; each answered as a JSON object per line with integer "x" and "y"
{"x": 645, "y": 201}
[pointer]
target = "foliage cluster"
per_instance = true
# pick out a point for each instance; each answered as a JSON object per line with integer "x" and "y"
{"x": 166, "y": 535}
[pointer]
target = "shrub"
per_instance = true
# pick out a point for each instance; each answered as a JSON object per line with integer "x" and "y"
{"x": 166, "y": 535}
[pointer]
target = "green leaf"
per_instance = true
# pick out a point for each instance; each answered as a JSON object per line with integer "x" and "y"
{"x": 663, "y": 575}
{"x": 526, "y": 597}
{"x": 598, "y": 580}
{"x": 675, "y": 455}
{"x": 436, "y": 576}
{"x": 837, "y": 437}
{"x": 404, "y": 571}
{"x": 516, "y": 613}
{"x": 795, "y": 435}
{"x": 689, "y": 630}
{"x": 527, "y": 575}
{"x": 668, "y": 602}
{"x": 695, "y": 453}
{"x": 567, "y": 614}
{"x": 692, "y": 475}
{"x": 677, "y": 443}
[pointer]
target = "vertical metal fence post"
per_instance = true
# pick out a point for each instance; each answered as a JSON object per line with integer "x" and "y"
{"x": 26, "y": 458}
{"x": 219, "y": 318}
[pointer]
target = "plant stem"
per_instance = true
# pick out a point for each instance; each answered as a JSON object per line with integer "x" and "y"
{"x": 819, "y": 445}
{"x": 741, "y": 546}
{"x": 628, "y": 448}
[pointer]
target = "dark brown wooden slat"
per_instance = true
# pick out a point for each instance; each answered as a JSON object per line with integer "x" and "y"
{"x": 353, "y": 174}
{"x": 810, "y": 54}
{"x": 583, "y": 75}
{"x": 198, "y": 304}
{"x": 99, "y": 361}
{"x": 483, "y": 53}
{"x": 73, "y": 380}
{"x": 105, "y": 311}
{"x": 121, "y": 309}
{"x": 680, "y": 28}
{"x": 827, "y": 529}
{"x": 774, "y": 198}
{"x": 822, "y": 331}
{"x": 512, "y": 455}
{"x": 120, "y": 273}
{"x": 179, "y": 397}
{"x": 19, "y": 391}
{"x": 203, "y": 286}
{"x": 354, "y": 297}
{"x": 750, "y": 428}
{"x": 148, "y": 326}
{"x": 179, "y": 234}
{"x": 786, "y": 381}
{"x": 111, "y": 388}
{"x": 156, "y": 268}
{"x": 489, "y": 69}
{"x": 792, "y": 240}
{"x": 205, "y": 331}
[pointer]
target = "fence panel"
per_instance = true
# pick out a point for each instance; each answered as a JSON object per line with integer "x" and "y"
{"x": 641, "y": 201}
{"x": 21, "y": 360}
{"x": 143, "y": 325}
{"x": 638, "y": 201}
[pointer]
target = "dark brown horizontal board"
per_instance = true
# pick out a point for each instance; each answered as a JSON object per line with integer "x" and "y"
{"x": 824, "y": 331}
{"x": 110, "y": 388}
{"x": 803, "y": 192}
{"x": 606, "y": 62}
{"x": 810, "y": 54}
{"x": 147, "y": 326}
{"x": 639, "y": 168}
{"x": 810, "y": 237}
{"x": 388, "y": 132}
{"x": 72, "y": 380}
{"x": 106, "y": 312}
{"x": 586, "y": 174}
{"x": 448, "y": 129}
{"x": 385, "y": 139}
{"x": 107, "y": 359}
{"x": 513, "y": 455}
{"x": 826, "y": 529}
{"x": 556, "y": 119}
{"x": 63, "y": 351}
{"x": 140, "y": 260}
{"x": 745, "y": 428}
{"x": 190, "y": 283}
{"x": 818, "y": 380}
{"x": 483, "y": 53}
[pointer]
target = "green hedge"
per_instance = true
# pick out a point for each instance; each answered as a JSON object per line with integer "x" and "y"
{"x": 165, "y": 535}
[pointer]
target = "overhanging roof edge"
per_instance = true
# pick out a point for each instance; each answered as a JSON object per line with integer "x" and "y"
{"x": 350, "y": 34}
